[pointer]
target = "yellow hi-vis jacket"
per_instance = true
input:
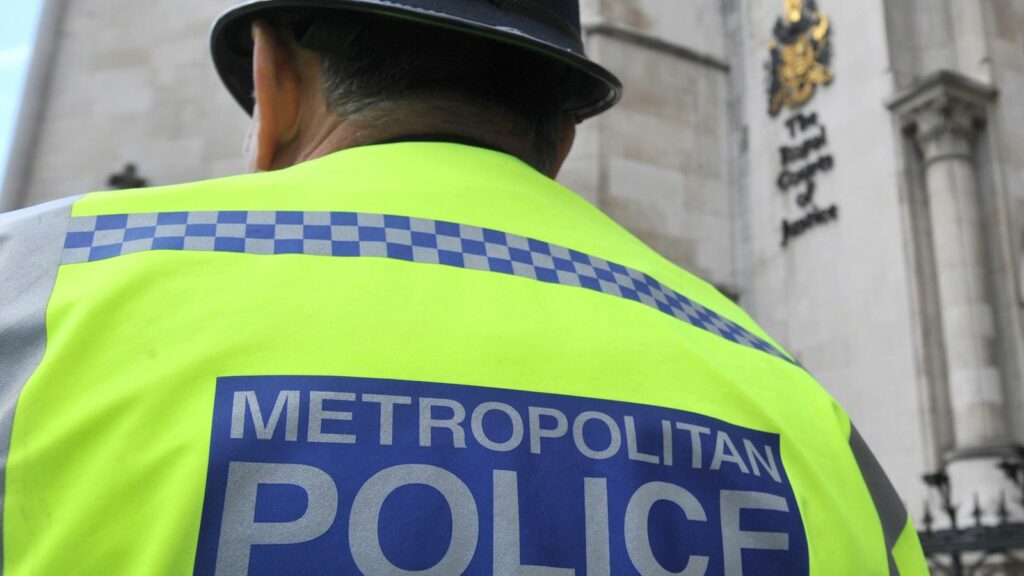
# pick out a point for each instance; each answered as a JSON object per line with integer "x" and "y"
{"x": 411, "y": 358}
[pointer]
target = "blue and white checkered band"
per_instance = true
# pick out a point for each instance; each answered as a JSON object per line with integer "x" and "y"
{"x": 351, "y": 235}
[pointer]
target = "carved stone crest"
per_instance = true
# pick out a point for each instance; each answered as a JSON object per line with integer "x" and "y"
{"x": 801, "y": 55}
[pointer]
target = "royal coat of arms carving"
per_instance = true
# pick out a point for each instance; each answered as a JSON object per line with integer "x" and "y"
{"x": 801, "y": 55}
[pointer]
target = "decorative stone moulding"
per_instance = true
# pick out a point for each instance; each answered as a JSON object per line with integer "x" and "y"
{"x": 944, "y": 113}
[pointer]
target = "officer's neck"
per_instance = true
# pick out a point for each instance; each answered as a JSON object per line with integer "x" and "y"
{"x": 322, "y": 132}
{"x": 341, "y": 135}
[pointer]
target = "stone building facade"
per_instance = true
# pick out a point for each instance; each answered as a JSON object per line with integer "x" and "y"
{"x": 875, "y": 228}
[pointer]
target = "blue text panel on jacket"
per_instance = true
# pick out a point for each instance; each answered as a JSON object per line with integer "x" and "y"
{"x": 332, "y": 475}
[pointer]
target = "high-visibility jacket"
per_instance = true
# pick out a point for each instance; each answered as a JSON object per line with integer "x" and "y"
{"x": 411, "y": 358}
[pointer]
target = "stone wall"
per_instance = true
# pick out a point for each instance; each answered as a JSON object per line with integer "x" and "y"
{"x": 1004, "y": 20}
{"x": 132, "y": 82}
{"x": 837, "y": 296}
{"x": 965, "y": 171}
{"x": 658, "y": 163}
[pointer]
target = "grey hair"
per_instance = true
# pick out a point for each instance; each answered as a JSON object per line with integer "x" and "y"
{"x": 384, "y": 70}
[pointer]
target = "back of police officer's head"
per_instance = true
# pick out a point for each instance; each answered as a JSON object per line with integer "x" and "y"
{"x": 326, "y": 82}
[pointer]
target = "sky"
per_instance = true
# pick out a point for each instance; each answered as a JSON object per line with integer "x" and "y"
{"x": 18, "y": 21}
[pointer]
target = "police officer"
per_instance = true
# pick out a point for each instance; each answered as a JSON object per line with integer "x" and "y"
{"x": 400, "y": 347}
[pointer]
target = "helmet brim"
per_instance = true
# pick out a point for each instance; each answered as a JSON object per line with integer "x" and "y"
{"x": 587, "y": 90}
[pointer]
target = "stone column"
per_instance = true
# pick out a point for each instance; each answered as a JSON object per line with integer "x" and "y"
{"x": 944, "y": 114}
{"x": 946, "y": 130}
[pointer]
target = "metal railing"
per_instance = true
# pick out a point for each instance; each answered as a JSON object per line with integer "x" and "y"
{"x": 980, "y": 548}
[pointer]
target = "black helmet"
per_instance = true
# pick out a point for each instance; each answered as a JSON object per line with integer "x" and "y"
{"x": 550, "y": 28}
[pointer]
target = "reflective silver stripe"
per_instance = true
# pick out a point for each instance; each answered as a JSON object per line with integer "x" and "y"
{"x": 360, "y": 235}
{"x": 891, "y": 511}
{"x": 31, "y": 243}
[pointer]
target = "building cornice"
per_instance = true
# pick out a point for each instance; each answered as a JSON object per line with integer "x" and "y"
{"x": 619, "y": 32}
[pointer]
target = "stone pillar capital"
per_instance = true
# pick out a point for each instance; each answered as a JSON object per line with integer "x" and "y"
{"x": 944, "y": 113}
{"x": 946, "y": 128}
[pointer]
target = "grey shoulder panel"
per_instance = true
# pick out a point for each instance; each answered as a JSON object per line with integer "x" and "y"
{"x": 31, "y": 242}
{"x": 891, "y": 511}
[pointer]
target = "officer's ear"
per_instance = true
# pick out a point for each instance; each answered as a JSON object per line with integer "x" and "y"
{"x": 278, "y": 93}
{"x": 564, "y": 144}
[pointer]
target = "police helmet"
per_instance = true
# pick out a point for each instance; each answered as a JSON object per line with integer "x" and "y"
{"x": 550, "y": 28}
